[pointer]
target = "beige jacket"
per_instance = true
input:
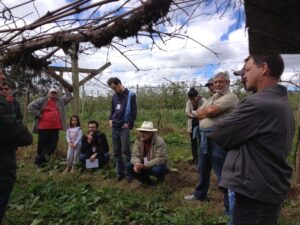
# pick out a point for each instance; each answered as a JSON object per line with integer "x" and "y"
{"x": 189, "y": 112}
{"x": 157, "y": 153}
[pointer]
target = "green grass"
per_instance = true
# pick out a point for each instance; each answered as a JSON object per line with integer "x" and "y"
{"x": 45, "y": 196}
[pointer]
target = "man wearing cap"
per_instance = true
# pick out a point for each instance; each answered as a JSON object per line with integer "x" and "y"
{"x": 49, "y": 113}
{"x": 149, "y": 156}
{"x": 11, "y": 131}
{"x": 210, "y": 86}
{"x": 258, "y": 136}
{"x": 241, "y": 73}
{"x": 211, "y": 155}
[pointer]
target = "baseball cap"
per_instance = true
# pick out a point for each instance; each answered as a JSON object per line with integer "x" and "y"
{"x": 52, "y": 90}
{"x": 239, "y": 72}
{"x": 210, "y": 81}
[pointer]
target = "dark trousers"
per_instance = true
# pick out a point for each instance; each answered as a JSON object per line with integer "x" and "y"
{"x": 158, "y": 171}
{"x": 102, "y": 159}
{"x": 248, "y": 211}
{"x": 194, "y": 146}
{"x": 213, "y": 158}
{"x": 121, "y": 149}
{"x": 47, "y": 143}
{"x": 4, "y": 197}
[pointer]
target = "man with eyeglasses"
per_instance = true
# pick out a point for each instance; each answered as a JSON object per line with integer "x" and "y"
{"x": 121, "y": 120}
{"x": 7, "y": 93}
{"x": 11, "y": 131}
{"x": 211, "y": 155}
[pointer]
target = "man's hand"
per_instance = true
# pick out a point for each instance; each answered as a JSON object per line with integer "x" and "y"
{"x": 110, "y": 123}
{"x": 208, "y": 112}
{"x": 93, "y": 157}
{"x": 125, "y": 125}
{"x": 138, "y": 167}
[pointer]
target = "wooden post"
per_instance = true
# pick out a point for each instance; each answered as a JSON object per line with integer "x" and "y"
{"x": 61, "y": 74}
{"x": 27, "y": 96}
{"x": 75, "y": 78}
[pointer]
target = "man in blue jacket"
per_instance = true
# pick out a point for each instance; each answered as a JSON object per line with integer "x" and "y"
{"x": 258, "y": 136}
{"x": 121, "y": 120}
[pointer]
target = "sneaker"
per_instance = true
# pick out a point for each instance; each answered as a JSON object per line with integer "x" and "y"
{"x": 190, "y": 198}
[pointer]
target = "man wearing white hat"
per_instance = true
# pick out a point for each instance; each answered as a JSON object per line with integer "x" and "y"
{"x": 50, "y": 117}
{"x": 149, "y": 156}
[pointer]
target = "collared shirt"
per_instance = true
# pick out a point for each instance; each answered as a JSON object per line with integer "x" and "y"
{"x": 227, "y": 102}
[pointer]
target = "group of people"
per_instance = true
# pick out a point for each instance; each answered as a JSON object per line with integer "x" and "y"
{"x": 149, "y": 156}
{"x": 246, "y": 143}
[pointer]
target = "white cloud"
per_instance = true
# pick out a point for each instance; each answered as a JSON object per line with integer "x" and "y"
{"x": 181, "y": 60}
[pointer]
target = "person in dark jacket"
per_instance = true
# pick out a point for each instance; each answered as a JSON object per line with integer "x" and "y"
{"x": 7, "y": 93}
{"x": 121, "y": 120}
{"x": 258, "y": 137}
{"x": 12, "y": 132}
{"x": 94, "y": 145}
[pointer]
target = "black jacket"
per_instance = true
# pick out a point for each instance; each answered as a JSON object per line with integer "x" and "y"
{"x": 258, "y": 135}
{"x": 12, "y": 134}
{"x": 99, "y": 141}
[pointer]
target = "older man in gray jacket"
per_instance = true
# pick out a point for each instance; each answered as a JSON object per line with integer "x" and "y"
{"x": 149, "y": 156}
{"x": 50, "y": 117}
{"x": 258, "y": 136}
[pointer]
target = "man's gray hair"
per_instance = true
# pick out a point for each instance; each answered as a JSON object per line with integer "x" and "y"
{"x": 225, "y": 75}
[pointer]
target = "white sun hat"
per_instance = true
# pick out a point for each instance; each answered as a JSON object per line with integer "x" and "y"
{"x": 147, "y": 126}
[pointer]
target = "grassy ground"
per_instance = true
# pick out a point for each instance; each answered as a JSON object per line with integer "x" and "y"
{"x": 47, "y": 196}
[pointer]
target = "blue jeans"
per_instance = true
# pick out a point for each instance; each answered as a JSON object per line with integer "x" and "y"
{"x": 121, "y": 147}
{"x": 231, "y": 198}
{"x": 211, "y": 156}
{"x": 103, "y": 160}
{"x": 4, "y": 197}
{"x": 158, "y": 171}
{"x": 248, "y": 211}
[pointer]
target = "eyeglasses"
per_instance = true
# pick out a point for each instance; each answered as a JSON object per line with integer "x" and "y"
{"x": 220, "y": 81}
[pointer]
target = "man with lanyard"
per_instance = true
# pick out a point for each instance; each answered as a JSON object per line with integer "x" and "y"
{"x": 211, "y": 155}
{"x": 121, "y": 120}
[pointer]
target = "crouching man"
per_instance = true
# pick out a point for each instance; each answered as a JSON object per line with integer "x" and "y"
{"x": 94, "y": 147}
{"x": 149, "y": 156}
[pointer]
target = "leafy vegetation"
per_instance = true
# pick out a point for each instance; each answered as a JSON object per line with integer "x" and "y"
{"x": 46, "y": 196}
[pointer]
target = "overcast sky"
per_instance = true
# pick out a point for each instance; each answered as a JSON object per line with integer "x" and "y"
{"x": 180, "y": 59}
